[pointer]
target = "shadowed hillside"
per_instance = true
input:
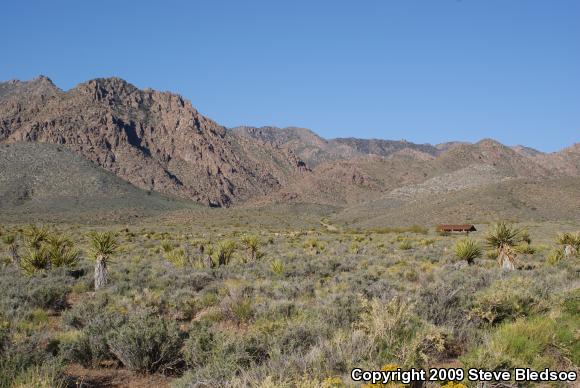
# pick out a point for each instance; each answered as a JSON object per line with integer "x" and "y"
{"x": 45, "y": 179}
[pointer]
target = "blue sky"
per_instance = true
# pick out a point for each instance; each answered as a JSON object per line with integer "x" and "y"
{"x": 426, "y": 71}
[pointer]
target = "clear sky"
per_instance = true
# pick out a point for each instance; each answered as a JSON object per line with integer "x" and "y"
{"x": 426, "y": 71}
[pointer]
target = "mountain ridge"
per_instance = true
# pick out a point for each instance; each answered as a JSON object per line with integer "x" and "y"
{"x": 159, "y": 142}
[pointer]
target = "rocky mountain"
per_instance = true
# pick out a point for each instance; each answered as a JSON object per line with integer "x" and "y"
{"x": 158, "y": 142}
{"x": 315, "y": 150}
{"x": 154, "y": 140}
{"x": 39, "y": 86}
{"x": 405, "y": 177}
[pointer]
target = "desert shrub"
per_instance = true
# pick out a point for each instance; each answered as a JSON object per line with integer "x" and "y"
{"x": 237, "y": 305}
{"x": 506, "y": 299}
{"x": 344, "y": 350}
{"x": 429, "y": 345}
{"x": 490, "y": 254}
{"x": 388, "y": 325}
{"x": 198, "y": 347}
{"x": 183, "y": 304}
{"x": 342, "y": 309}
{"x": 467, "y": 249}
{"x": 355, "y": 248}
{"x": 89, "y": 345}
{"x": 49, "y": 296}
{"x": 571, "y": 302}
{"x": 47, "y": 375}
{"x": 4, "y": 333}
{"x": 447, "y": 300}
{"x": 219, "y": 356}
{"x": 167, "y": 246}
{"x": 20, "y": 358}
{"x": 538, "y": 342}
{"x": 418, "y": 229}
{"x": 80, "y": 314}
{"x": 147, "y": 344}
{"x": 298, "y": 337}
{"x": 427, "y": 242}
{"x": 74, "y": 346}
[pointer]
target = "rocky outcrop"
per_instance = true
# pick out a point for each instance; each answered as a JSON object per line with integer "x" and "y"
{"x": 155, "y": 140}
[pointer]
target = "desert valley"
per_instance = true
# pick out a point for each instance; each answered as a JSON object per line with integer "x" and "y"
{"x": 144, "y": 244}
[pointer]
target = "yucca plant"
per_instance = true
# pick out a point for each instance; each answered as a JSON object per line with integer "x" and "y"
{"x": 61, "y": 251}
{"x": 467, "y": 249}
{"x": 103, "y": 246}
{"x": 223, "y": 252}
{"x": 571, "y": 243}
{"x": 35, "y": 260}
{"x": 35, "y": 236}
{"x": 503, "y": 238}
{"x": 12, "y": 243}
{"x": 167, "y": 247}
{"x": 176, "y": 257}
{"x": 252, "y": 245}
{"x": 555, "y": 256}
{"x": 277, "y": 266}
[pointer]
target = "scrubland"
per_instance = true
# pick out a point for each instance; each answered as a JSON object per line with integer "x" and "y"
{"x": 189, "y": 306}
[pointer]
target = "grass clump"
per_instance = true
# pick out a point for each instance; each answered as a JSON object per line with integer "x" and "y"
{"x": 405, "y": 244}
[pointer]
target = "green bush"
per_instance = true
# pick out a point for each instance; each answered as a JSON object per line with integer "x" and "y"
{"x": 199, "y": 345}
{"x": 147, "y": 344}
{"x": 49, "y": 296}
{"x": 89, "y": 346}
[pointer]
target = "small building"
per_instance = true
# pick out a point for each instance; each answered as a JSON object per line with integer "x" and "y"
{"x": 456, "y": 228}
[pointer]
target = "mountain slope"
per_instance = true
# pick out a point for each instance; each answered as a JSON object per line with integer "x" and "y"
{"x": 315, "y": 150}
{"x": 48, "y": 179}
{"x": 520, "y": 199}
{"x": 155, "y": 140}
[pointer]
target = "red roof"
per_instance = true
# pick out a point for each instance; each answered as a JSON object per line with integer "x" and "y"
{"x": 457, "y": 228}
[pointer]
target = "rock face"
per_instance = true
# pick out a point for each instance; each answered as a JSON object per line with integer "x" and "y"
{"x": 155, "y": 140}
